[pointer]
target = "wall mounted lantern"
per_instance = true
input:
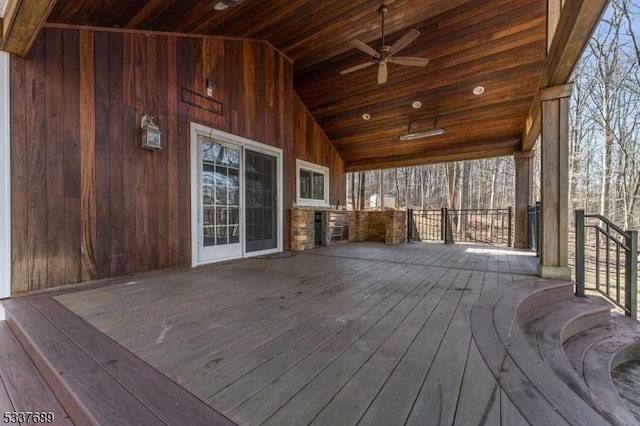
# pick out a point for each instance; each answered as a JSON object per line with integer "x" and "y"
{"x": 151, "y": 134}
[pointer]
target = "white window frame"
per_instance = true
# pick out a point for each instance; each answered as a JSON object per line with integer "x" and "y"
{"x": 5, "y": 183}
{"x": 315, "y": 168}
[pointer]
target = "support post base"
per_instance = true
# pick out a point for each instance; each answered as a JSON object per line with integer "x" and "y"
{"x": 554, "y": 272}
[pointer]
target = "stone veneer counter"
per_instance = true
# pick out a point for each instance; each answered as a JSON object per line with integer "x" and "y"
{"x": 387, "y": 226}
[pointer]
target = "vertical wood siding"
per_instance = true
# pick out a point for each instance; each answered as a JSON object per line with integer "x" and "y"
{"x": 88, "y": 203}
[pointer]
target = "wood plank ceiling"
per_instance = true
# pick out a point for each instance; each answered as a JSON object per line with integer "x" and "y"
{"x": 499, "y": 44}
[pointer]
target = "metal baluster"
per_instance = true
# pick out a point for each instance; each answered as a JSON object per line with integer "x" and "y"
{"x": 608, "y": 259}
{"x": 598, "y": 259}
{"x": 631, "y": 274}
{"x": 618, "y": 272}
{"x": 579, "y": 252}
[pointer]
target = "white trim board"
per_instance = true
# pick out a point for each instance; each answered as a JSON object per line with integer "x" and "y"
{"x": 208, "y": 132}
{"x": 5, "y": 183}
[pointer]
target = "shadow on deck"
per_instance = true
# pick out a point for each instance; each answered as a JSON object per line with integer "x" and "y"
{"x": 360, "y": 333}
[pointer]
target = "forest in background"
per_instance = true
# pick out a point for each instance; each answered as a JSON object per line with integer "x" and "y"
{"x": 604, "y": 160}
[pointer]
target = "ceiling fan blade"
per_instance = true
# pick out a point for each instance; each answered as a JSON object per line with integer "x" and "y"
{"x": 358, "y": 67}
{"x": 382, "y": 73}
{"x": 365, "y": 48}
{"x": 408, "y": 60}
{"x": 404, "y": 41}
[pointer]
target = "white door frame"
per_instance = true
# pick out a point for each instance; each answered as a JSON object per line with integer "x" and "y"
{"x": 5, "y": 183}
{"x": 208, "y": 132}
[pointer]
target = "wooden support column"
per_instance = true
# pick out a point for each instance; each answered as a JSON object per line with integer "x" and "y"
{"x": 524, "y": 191}
{"x": 554, "y": 181}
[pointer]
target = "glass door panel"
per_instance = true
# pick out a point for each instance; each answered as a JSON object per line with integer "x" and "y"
{"x": 220, "y": 201}
{"x": 261, "y": 195}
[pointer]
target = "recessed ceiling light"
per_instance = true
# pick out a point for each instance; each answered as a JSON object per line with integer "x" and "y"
{"x": 366, "y": 117}
{"x": 478, "y": 90}
{"x": 220, "y": 6}
{"x": 416, "y": 104}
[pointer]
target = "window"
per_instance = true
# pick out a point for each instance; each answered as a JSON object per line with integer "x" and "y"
{"x": 313, "y": 184}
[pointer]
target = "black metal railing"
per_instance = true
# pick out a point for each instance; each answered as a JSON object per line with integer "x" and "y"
{"x": 611, "y": 255}
{"x": 533, "y": 228}
{"x": 490, "y": 226}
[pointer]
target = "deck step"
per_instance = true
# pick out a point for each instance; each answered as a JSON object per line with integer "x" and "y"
{"x": 626, "y": 378}
{"x": 528, "y": 381}
{"x": 551, "y": 325}
{"x": 97, "y": 381}
{"x": 22, "y": 388}
{"x": 601, "y": 358}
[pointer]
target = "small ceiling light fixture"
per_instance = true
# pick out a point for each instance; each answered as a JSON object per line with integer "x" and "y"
{"x": 425, "y": 134}
{"x": 478, "y": 90}
{"x": 366, "y": 117}
{"x": 416, "y": 104}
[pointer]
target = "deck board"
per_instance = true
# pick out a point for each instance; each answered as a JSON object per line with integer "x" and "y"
{"x": 22, "y": 388}
{"x": 5, "y": 401}
{"x": 256, "y": 325}
{"x": 309, "y": 333}
{"x": 479, "y": 398}
{"x": 353, "y": 398}
{"x": 150, "y": 388}
{"x": 394, "y": 402}
{"x": 360, "y": 333}
{"x": 277, "y": 392}
{"x": 301, "y": 408}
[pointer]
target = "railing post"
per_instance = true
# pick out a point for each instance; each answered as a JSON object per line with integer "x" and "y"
{"x": 529, "y": 228}
{"x": 443, "y": 224}
{"x": 538, "y": 233}
{"x": 409, "y": 224}
{"x": 631, "y": 275}
{"x": 509, "y": 226}
{"x": 579, "y": 252}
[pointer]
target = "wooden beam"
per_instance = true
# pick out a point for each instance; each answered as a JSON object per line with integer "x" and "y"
{"x": 554, "y": 8}
{"x": 21, "y": 24}
{"x": 578, "y": 20}
{"x": 498, "y": 149}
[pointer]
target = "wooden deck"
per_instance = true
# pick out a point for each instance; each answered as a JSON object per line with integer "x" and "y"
{"x": 360, "y": 333}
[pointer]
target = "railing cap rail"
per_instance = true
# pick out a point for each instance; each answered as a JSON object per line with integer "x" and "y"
{"x": 624, "y": 233}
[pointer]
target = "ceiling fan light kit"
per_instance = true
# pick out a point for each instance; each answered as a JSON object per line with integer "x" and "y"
{"x": 420, "y": 135}
{"x": 386, "y": 54}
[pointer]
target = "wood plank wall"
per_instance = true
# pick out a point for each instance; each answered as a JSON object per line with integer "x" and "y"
{"x": 87, "y": 202}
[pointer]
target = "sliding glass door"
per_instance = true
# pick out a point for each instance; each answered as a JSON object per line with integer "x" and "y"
{"x": 236, "y": 198}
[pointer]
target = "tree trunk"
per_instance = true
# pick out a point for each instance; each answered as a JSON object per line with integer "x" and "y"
{"x": 422, "y": 188}
{"x": 361, "y": 182}
{"x": 605, "y": 181}
{"x": 381, "y": 189}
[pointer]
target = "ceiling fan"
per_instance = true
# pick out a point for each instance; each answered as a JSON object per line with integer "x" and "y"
{"x": 385, "y": 54}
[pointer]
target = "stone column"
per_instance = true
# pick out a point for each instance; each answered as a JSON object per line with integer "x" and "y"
{"x": 554, "y": 182}
{"x": 524, "y": 192}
